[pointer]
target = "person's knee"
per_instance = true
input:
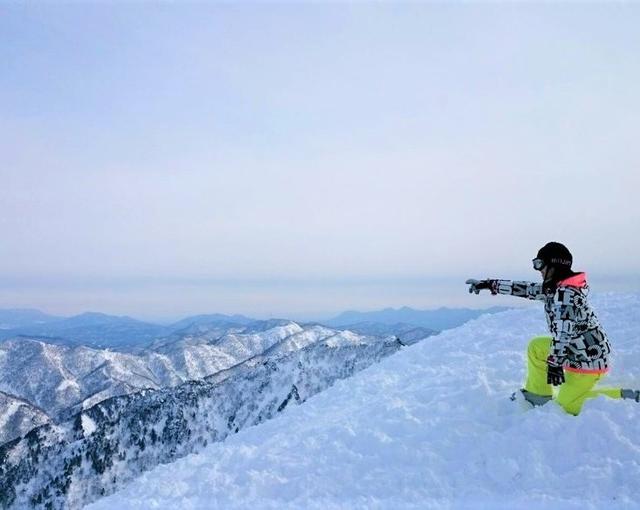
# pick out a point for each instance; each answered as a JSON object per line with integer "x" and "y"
{"x": 575, "y": 391}
{"x": 574, "y": 407}
{"x": 539, "y": 346}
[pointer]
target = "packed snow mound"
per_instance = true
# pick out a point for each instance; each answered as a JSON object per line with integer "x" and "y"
{"x": 431, "y": 427}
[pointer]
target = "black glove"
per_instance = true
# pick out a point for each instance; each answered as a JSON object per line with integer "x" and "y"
{"x": 478, "y": 285}
{"x": 555, "y": 373}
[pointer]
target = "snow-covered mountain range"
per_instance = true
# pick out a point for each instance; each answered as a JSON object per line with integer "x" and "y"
{"x": 92, "y": 329}
{"x": 99, "y": 330}
{"x": 91, "y": 454}
{"x": 58, "y": 381}
{"x": 430, "y": 427}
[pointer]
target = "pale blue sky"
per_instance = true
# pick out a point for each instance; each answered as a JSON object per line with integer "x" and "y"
{"x": 296, "y": 160}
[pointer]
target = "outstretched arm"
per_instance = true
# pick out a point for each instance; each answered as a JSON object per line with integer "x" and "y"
{"x": 528, "y": 290}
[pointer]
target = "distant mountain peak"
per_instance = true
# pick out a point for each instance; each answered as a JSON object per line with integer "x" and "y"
{"x": 97, "y": 315}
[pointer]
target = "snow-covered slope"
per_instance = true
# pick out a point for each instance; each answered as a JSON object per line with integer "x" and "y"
{"x": 407, "y": 333}
{"x": 431, "y": 427}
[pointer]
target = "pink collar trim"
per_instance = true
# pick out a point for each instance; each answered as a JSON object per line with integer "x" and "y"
{"x": 579, "y": 280}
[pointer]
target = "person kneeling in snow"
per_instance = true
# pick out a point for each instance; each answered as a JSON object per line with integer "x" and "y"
{"x": 576, "y": 355}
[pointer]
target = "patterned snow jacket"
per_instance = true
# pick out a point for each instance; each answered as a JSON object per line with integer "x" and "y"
{"x": 579, "y": 342}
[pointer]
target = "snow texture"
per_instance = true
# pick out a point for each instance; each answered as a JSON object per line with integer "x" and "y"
{"x": 88, "y": 425}
{"x": 431, "y": 427}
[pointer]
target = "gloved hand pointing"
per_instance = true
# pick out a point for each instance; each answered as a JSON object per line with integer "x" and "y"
{"x": 478, "y": 285}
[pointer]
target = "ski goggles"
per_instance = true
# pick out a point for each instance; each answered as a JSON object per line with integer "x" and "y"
{"x": 538, "y": 264}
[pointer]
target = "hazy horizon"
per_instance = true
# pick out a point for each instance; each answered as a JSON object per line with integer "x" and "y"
{"x": 298, "y": 160}
{"x": 372, "y": 296}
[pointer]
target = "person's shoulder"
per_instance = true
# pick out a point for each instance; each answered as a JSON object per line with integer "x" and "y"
{"x": 576, "y": 281}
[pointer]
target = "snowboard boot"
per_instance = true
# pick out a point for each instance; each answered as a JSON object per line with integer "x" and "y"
{"x": 630, "y": 394}
{"x": 526, "y": 398}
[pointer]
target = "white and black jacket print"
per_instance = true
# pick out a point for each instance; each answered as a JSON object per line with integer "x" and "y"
{"x": 579, "y": 342}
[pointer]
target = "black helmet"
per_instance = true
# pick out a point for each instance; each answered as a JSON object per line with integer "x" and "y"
{"x": 555, "y": 255}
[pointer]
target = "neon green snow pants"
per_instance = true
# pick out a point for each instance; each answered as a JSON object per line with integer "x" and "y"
{"x": 577, "y": 387}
